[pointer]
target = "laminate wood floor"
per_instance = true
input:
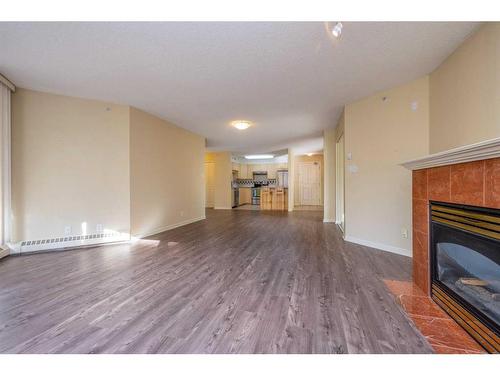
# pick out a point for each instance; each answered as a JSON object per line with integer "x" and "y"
{"x": 238, "y": 282}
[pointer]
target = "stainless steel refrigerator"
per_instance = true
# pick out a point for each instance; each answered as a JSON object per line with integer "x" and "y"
{"x": 282, "y": 178}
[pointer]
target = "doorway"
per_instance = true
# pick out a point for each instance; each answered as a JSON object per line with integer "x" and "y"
{"x": 310, "y": 183}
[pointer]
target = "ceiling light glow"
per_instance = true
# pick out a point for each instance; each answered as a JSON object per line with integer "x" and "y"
{"x": 259, "y": 156}
{"x": 241, "y": 125}
{"x": 337, "y": 30}
{"x": 310, "y": 154}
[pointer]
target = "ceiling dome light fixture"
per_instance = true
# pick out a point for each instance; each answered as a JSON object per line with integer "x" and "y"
{"x": 337, "y": 30}
{"x": 241, "y": 124}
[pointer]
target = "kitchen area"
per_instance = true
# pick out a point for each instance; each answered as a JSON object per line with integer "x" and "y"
{"x": 276, "y": 183}
{"x": 247, "y": 182}
{"x": 262, "y": 186}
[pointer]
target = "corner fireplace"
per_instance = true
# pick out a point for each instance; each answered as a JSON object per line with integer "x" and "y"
{"x": 465, "y": 268}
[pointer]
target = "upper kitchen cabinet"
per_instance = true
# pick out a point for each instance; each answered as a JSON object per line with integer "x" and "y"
{"x": 241, "y": 168}
{"x": 247, "y": 170}
{"x": 273, "y": 168}
{"x": 244, "y": 171}
{"x": 250, "y": 169}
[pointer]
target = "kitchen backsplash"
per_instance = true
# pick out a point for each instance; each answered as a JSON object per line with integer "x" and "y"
{"x": 248, "y": 182}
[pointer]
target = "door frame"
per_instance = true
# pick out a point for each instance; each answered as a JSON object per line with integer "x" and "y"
{"x": 340, "y": 182}
{"x": 206, "y": 184}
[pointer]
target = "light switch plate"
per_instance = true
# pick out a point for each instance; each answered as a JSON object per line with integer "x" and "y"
{"x": 353, "y": 168}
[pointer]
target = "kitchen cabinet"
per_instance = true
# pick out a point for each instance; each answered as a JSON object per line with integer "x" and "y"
{"x": 278, "y": 199}
{"x": 237, "y": 167}
{"x": 266, "y": 198}
{"x": 273, "y": 169}
{"x": 247, "y": 170}
{"x": 245, "y": 196}
{"x": 244, "y": 171}
{"x": 250, "y": 169}
{"x": 274, "y": 199}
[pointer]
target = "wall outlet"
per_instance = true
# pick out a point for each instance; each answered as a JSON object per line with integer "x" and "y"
{"x": 67, "y": 230}
{"x": 98, "y": 228}
{"x": 181, "y": 213}
{"x": 404, "y": 233}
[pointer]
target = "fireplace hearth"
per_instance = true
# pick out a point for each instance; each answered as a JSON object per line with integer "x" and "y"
{"x": 465, "y": 268}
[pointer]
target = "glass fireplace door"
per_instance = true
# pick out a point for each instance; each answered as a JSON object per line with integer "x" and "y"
{"x": 470, "y": 267}
{"x": 465, "y": 267}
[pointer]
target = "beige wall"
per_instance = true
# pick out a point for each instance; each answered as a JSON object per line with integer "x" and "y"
{"x": 223, "y": 177}
{"x": 70, "y": 165}
{"x": 458, "y": 104}
{"x": 304, "y": 158}
{"x": 329, "y": 166}
{"x": 379, "y": 135}
{"x": 465, "y": 93}
{"x": 166, "y": 175}
{"x": 80, "y": 161}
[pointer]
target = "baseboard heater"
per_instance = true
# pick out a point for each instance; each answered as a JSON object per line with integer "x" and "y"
{"x": 60, "y": 243}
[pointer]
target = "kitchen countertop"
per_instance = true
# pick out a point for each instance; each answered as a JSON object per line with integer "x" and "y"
{"x": 252, "y": 187}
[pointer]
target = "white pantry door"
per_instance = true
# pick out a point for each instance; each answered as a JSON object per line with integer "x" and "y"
{"x": 309, "y": 183}
{"x": 209, "y": 184}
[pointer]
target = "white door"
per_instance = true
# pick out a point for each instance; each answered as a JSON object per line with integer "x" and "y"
{"x": 340, "y": 182}
{"x": 209, "y": 184}
{"x": 309, "y": 184}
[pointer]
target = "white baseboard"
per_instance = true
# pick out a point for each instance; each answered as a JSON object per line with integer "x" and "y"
{"x": 168, "y": 227}
{"x": 22, "y": 247}
{"x": 340, "y": 229}
{"x": 4, "y": 253}
{"x": 223, "y": 208}
{"x": 379, "y": 246}
{"x": 328, "y": 220}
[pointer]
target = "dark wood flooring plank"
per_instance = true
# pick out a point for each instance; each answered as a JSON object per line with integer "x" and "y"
{"x": 238, "y": 282}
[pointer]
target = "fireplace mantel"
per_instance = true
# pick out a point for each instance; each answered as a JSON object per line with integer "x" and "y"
{"x": 477, "y": 151}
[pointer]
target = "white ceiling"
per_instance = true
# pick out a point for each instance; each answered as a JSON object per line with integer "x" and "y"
{"x": 291, "y": 79}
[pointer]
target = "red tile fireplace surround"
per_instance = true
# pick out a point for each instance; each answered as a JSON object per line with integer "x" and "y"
{"x": 468, "y": 175}
{"x": 475, "y": 183}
